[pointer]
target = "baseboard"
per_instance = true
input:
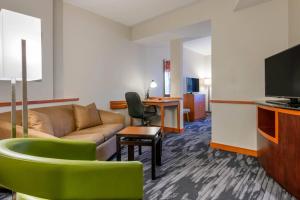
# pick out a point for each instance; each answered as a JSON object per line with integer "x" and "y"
{"x": 233, "y": 149}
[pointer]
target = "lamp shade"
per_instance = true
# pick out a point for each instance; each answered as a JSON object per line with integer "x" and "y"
{"x": 13, "y": 28}
{"x": 207, "y": 81}
{"x": 153, "y": 84}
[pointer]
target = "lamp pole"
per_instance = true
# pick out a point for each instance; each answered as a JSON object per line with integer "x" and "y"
{"x": 24, "y": 90}
{"x": 208, "y": 98}
{"x": 207, "y": 83}
{"x": 13, "y": 109}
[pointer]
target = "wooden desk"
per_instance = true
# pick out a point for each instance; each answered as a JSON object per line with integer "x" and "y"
{"x": 162, "y": 104}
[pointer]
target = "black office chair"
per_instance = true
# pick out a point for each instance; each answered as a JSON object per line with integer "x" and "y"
{"x": 137, "y": 110}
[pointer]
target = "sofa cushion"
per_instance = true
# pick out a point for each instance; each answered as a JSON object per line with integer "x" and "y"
{"x": 5, "y": 131}
{"x": 109, "y": 130}
{"x": 86, "y": 135}
{"x": 86, "y": 116}
{"x": 62, "y": 118}
{"x": 97, "y": 134}
{"x": 40, "y": 122}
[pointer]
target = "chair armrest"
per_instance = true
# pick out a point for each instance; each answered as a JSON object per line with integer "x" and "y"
{"x": 5, "y": 131}
{"x": 67, "y": 179}
{"x": 108, "y": 117}
{"x": 52, "y": 148}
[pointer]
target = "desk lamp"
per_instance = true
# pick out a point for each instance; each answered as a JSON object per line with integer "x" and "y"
{"x": 153, "y": 84}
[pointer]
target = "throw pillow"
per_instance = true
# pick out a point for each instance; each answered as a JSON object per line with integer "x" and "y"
{"x": 86, "y": 116}
{"x": 40, "y": 122}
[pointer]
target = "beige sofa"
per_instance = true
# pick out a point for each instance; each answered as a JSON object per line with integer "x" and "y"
{"x": 63, "y": 122}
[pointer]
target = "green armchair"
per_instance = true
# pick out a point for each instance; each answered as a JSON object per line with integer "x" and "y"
{"x": 63, "y": 169}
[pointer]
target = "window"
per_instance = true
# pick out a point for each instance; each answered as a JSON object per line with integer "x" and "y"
{"x": 167, "y": 78}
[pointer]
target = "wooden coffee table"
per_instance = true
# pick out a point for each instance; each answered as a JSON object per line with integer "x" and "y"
{"x": 141, "y": 136}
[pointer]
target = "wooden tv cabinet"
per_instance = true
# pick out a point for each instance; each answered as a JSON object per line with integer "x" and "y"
{"x": 279, "y": 144}
{"x": 196, "y": 104}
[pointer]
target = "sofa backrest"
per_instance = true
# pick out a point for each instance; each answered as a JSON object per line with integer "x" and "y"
{"x": 62, "y": 118}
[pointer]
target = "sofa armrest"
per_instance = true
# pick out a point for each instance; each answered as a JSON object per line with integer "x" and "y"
{"x": 108, "y": 117}
{"x": 5, "y": 131}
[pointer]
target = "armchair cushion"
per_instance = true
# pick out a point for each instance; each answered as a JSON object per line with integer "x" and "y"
{"x": 86, "y": 116}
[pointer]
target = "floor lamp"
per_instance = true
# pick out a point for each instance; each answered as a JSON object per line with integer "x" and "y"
{"x": 207, "y": 83}
{"x": 20, "y": 56}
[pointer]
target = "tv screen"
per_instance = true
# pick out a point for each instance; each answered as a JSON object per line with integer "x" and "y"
{"x": 192, "y": 85}
{"x": 282, "y": 74}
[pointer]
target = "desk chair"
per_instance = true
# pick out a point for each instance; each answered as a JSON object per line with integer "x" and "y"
{"x": 137, "y": 110}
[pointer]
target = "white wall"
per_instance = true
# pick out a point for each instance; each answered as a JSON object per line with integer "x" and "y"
{"x": 196, "y": 65}
{"x": 58, "y": 59}
{"x": 294, "y": 22}
{"x": 42, "y": 9}
{"x": 240, "y": 42}
{"x": 152, "y": 60}
{"x": 176, "y": 57}
{"x": 100, "y": 61}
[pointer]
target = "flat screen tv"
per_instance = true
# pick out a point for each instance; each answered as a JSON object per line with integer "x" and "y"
{"x": 192, "y": 85}
{"x": 282, "y": 74}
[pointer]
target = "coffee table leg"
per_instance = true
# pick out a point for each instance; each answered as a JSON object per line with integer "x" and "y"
{"x": 158, "y": 151}
{"x": 118, "y": 149}
{"x": 153, "y": 159}
{"x": 130, "y": 152}
{"x": 140, "y": 150}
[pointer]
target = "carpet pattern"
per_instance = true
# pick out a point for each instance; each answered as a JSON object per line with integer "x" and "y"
{"x": 5, "y": 195}
{"x": 193, "y": 171}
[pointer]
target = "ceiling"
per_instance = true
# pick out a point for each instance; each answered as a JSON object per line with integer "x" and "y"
{"x": 242, "y": 4}
{"x": 187, "y": 33}
{"x": 130, "y": 12}
{"x": 201, "y": 45}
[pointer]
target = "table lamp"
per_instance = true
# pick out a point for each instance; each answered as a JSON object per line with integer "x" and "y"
{"x": 153, "y": 84}
{"x": 207, "y": 83}
{"x": 20, "y": 57}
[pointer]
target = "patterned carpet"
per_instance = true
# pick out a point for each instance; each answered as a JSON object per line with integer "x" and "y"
{"x": 5, "y": 195}
{"x": 193, "y": 171}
